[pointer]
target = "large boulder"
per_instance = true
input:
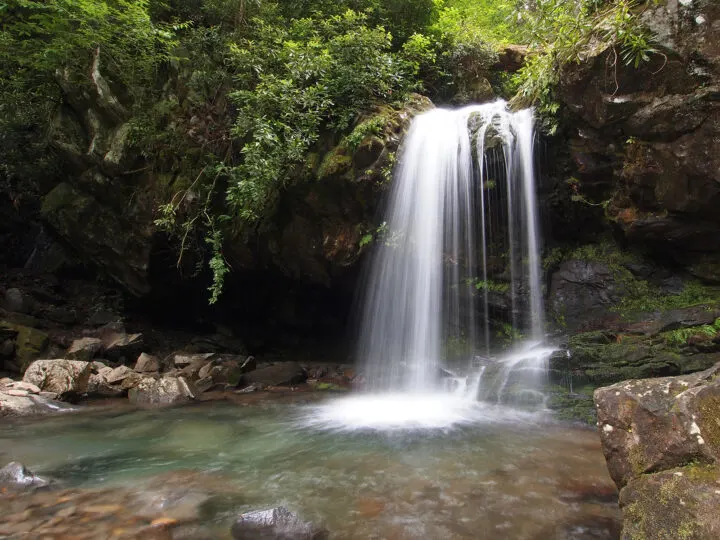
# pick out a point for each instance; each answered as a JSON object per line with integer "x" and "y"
{"x": 275, "y": 524}
{"x": 661, "y": 440}
{"x": 66, "y": 378}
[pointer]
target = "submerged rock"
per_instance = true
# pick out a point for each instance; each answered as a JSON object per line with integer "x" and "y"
{"x": 15, "y": 475}
{"x": 275, "y": 524}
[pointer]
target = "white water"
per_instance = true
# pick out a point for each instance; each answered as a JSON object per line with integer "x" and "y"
{"x": 464, "y": 185}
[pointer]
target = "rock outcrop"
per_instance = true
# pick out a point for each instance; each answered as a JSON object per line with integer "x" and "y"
{"x": 645, "y": 139}
{"x": 65, "y": 378}
{"x": 661, "y": 440}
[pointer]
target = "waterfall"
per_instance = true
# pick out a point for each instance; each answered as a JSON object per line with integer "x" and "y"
{"x": 463, "y": 200}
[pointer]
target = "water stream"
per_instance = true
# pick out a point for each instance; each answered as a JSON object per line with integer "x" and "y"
{"x": 463, "y": 192}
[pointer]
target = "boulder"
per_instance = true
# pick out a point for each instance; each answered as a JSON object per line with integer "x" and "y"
{"x": 651, "y": 425}
{"x": 276, "y": 524}
{"x": 26, "y": 405}
{"x": 16, "y": 476}
{"x": 146, "y": 363}
{"x": 84, "y": 349}
{"x": 14, "y": 300}
{"x": 64, "y": 377}
{"x": 283, "y": 373}
{"x": 30, "y": 343}
{"x": 162, "y": 391}
{"x": 677, "y": 503}
{"x": 122, "y": 347}
{"x": 182, "y": 359}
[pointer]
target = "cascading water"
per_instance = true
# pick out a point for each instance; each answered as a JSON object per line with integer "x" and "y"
{"x": 463, "y": 200}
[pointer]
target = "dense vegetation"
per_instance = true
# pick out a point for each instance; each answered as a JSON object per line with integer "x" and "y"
{"x": 263, "y": 82}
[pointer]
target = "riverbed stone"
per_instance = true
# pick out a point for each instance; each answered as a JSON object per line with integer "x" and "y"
{"x": 15, "y": 475}
{"x": 276, "y": 523}
{"x": 64, "y": 377}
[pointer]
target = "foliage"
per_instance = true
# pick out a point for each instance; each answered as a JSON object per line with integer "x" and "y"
{"x": 295, "y": 82}
{"x": 562, "y": 33}
{"x": 680, "y": 336}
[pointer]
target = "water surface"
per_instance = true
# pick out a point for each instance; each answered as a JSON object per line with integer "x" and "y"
{"x": 526, "y": 478}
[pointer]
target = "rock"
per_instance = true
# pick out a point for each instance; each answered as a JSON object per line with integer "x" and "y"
{"x": 677, "y": 503}
{"x": 84, "y": 349}
{"x": 582, "y": 292}
{"x": 15, "y": 475}
{"x": 284, "y": 373}
{"x": 28, "y": 405}
{"x": 204, "y": 384}
{"x": 29, "y": 343}
{"x": 63, "y": 377}
{"x": 17, "y": 393}
{"x": 186, "y": 359}
{"x": 122, "y": 347}
{"x": 118, "y": 374}
{"x": 658, "y": 424}
{"x": 255, "y": 387}
{"x": 22, "y": 385}
{"x": 14, "y": 300}
{"x": 276, "y": 524}
{"x": 249, "y": 364}
{"x": 163, "y": 391}
{"x": 147, "y": 363}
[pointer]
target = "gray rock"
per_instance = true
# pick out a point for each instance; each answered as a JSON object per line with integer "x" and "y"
{"x": 275, "y": 524}
{"x": 118, "y": 374}
{"x": 15, "y": 475}
{"x": 162, "y": 391}
{"x": 146, "y": 363}
{"x": 22, "y": 385}
{"x": 14, "y": 300}
{"x": 28, "y": 405}
{"x": 84, "y": 349}
{"x": 63, "y": 377}
{"x": 182, "y": 360}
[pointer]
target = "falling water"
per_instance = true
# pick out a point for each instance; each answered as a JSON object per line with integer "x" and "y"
{"x": 429, "y": 278}
{"x": 463, "y": 202}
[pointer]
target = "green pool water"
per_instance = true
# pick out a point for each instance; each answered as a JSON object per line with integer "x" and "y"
{"x": 527, "y": 478}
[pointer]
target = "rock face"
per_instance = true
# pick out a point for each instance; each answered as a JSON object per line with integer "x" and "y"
{"x": 661, "y": 439}
{"x": 275, "y": 524}
{"x": 645, "y": 139}
{"x": 66, "y": 378}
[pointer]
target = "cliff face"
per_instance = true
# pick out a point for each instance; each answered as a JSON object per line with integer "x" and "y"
{"x": 647, "y": 139}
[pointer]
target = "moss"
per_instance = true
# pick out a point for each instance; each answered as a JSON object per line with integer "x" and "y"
{"x": 637, "y": 460}
{"x": 709, "y": 407}
{"x": 335, "y": 163}
{"x": 680, "y": 336}
{"x": 29, "y": 343}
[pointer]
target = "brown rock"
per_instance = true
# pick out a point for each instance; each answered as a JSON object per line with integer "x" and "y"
{"x": 147, "y": 363}
{"x": 84, "y": 349}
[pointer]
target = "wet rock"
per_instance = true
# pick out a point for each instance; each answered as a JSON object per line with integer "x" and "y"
{"x": 275, "y": 524}
{"x": 657, "y": 424}
{"x": 583, "y": 291}
{"x": 255, "y": 387}
{"x": 162, "y": 391}
{"x": 280, "y": 374}
{"x": 84, "y": 349}
{"x": 16, "y": 476}
{"x": 677, "y": 503}
{"x": 63, "y": 377}
{"x": 146, "y": 363}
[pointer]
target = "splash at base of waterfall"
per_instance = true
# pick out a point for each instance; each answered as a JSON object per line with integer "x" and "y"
{"x": 402, "y": 411}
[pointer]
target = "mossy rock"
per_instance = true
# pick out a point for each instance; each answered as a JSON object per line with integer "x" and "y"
{"x": 678, "y": 504}
{"x": 335, "y": 163}
{"x": 29, "y": 343}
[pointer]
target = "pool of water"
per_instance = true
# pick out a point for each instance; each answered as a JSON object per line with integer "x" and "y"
{"x": 503, "y": 476}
